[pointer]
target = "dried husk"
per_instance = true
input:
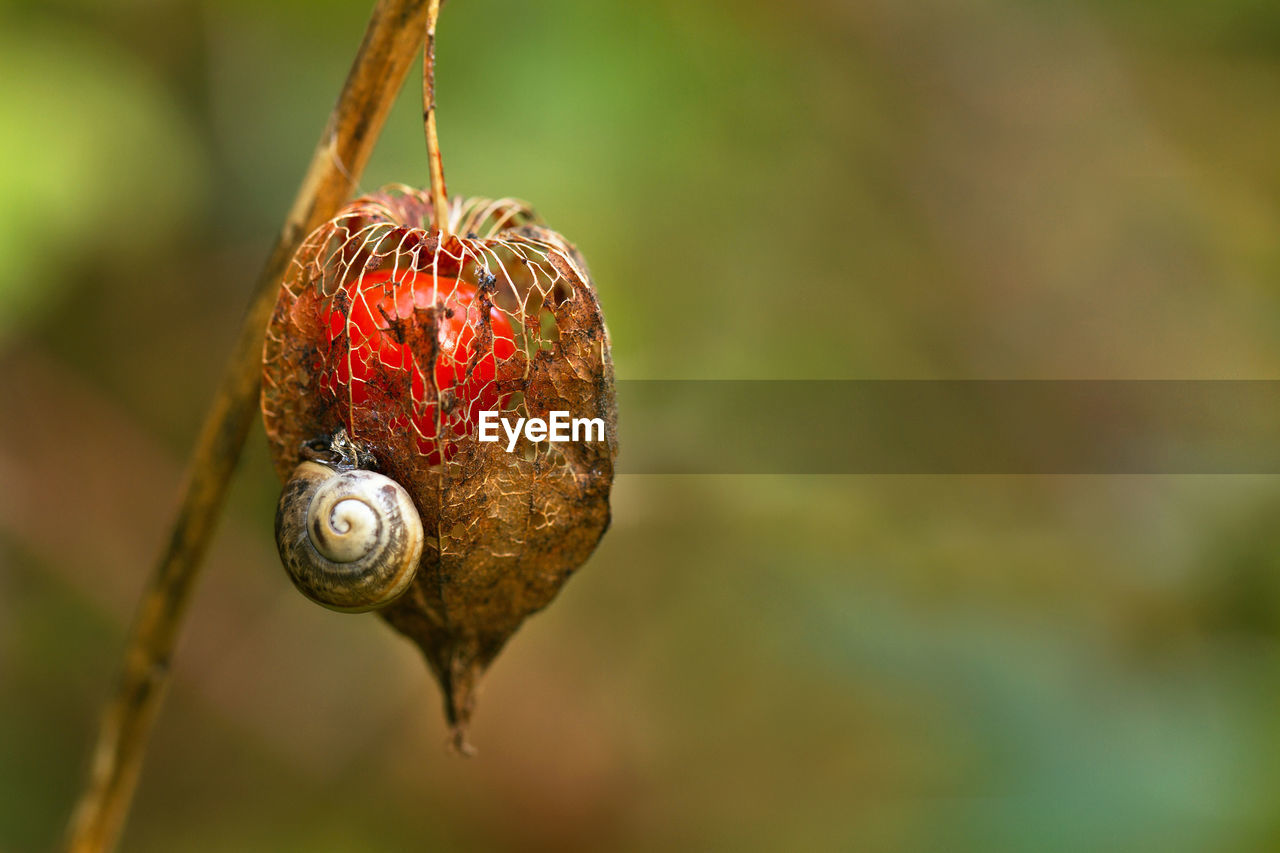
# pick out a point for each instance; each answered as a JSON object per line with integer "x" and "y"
{"x": 503, "y": 530}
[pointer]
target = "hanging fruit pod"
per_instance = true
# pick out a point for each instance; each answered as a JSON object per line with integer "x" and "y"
{"x": 390, "y": 346}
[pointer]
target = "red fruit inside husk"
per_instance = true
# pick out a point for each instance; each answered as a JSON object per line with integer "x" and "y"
{"x": 387, "y": 328}
{"x": 471, "y": 348}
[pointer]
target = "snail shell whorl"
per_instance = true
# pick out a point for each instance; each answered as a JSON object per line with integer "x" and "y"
{"x": 350, "y": 540}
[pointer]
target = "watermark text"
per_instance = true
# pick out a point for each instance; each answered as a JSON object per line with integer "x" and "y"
{"x": 558, "y": 427}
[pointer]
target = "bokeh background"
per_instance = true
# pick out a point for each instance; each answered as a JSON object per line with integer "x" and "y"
{"x": 815, "y": 189}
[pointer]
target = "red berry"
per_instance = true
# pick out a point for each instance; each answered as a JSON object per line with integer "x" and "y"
{"x": 380, "y": 327}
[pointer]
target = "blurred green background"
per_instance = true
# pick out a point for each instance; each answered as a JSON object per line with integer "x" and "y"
{"x": 815, "y": 189}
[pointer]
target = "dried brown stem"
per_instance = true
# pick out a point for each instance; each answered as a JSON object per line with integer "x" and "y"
{"x": 390, "y": 43}
{"x": 439, "y": 194}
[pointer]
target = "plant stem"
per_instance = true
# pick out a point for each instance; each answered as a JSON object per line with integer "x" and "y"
{"x": 439, "y": 194}
{"x": 390, "y": 43}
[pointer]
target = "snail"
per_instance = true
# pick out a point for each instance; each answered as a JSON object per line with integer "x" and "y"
{"x": 350, "y": 538}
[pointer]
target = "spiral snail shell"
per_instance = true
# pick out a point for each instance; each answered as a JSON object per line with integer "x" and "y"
{"x": 350, "y": 539}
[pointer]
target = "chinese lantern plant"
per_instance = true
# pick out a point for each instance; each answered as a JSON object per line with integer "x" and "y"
{"x": 390, "y": 333}
{"x": 398, "y": 323}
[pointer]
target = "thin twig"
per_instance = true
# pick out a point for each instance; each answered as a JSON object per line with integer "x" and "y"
{"x": 390, "y": 43}
{"x": 439, "y": 195}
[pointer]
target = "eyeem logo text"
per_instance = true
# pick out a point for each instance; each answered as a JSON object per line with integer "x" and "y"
{"x": 560, "y": 427}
